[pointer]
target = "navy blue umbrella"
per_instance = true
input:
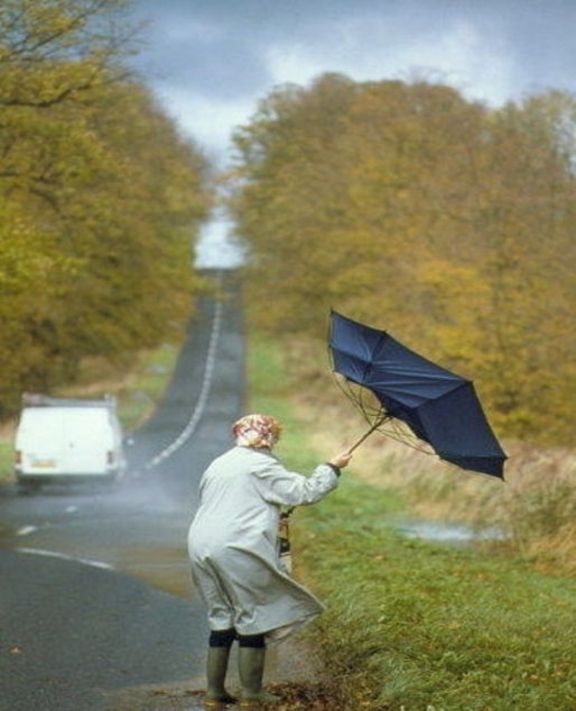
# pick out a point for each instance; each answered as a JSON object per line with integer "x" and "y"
{"x": 440, "y": 407}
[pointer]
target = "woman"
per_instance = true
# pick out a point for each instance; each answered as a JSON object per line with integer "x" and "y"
{"x": 233, "y": 549}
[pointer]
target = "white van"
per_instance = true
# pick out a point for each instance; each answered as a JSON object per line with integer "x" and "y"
{"x": 66, "y": 440}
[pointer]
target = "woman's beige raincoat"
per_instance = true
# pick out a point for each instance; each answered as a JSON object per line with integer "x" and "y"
{"x": 232, "y": 542}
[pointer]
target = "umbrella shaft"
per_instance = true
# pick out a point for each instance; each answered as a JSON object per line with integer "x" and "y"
{"x": 367, "y": 434}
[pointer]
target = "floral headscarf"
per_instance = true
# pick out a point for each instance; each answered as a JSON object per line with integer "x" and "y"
{"x": 257, "y": 431}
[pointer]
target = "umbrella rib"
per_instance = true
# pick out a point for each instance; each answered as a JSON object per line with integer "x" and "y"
{"x": 369, "y": 415}
{"x": 400, "y": 435}
{"x": 364, "y": 409}
{"x": 348, "y": 392}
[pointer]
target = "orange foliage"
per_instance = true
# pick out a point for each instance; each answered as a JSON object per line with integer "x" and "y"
{"x": 446, "y": 222}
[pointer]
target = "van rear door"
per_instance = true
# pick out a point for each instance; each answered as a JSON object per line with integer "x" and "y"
{"x": 87, "y": 440}
{"x": 55, "y": 441}
{"x": 38, "y": 442}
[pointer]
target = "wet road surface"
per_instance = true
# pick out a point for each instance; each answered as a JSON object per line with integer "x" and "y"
{"x": 95, "y": 590}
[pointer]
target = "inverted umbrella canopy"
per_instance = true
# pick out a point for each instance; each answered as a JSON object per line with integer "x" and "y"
{"x": 440, "y": 407}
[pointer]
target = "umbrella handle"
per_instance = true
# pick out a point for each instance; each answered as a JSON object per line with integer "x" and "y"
{"x": 367, "y": 434}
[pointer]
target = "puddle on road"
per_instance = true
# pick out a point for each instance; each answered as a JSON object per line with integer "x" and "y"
{"x": 165, "y": 568}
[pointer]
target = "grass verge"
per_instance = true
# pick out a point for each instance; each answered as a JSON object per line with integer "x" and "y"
{"x": 138, "y": 387}
{"x": 412, "y": 626}
{"x": 6, "y": 457}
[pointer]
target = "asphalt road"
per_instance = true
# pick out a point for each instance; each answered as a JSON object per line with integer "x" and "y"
{"x": 95, "y": 592}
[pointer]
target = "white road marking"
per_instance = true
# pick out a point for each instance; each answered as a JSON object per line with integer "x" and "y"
{"x": 71, "y": 509}
{"x": 188, "y": 431}
{"x": 26, "y": 530}
{"x": 63, "y": 556}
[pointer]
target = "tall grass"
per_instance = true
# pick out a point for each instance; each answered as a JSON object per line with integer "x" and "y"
{"x": 412, "y": 626}
{"x": 138, "y": 385}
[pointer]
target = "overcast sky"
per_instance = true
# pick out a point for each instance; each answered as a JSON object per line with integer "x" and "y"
{"x": 210, "y": 61}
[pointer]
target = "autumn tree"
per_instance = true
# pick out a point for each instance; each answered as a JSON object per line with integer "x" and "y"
{"x": 292, "y": 204}
{"x": 414, "y": 209}
{"x": 100, "y": 197}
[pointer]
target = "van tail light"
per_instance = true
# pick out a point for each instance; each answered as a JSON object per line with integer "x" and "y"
{"x": 17, "y": 457}
{"x": 110, "y": 457}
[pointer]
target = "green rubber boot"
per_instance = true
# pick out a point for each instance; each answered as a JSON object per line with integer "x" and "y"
{"x": 251, "y": 671}
{"x": 216, "y": 667}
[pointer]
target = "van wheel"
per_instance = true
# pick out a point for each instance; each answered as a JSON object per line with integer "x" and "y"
{"x": 29, "y": 487}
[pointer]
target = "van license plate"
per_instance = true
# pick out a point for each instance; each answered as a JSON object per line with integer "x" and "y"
{"x": 44, "y": 463}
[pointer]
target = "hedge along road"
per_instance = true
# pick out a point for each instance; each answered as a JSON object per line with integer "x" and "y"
{"x": 87, "y": 577}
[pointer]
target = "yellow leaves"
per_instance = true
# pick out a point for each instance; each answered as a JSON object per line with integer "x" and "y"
{"x": 445, "y": 222}
{"x": 99, "y": 198}
{"x": 53, "y": 51}
{"x": 29, "y": 254}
